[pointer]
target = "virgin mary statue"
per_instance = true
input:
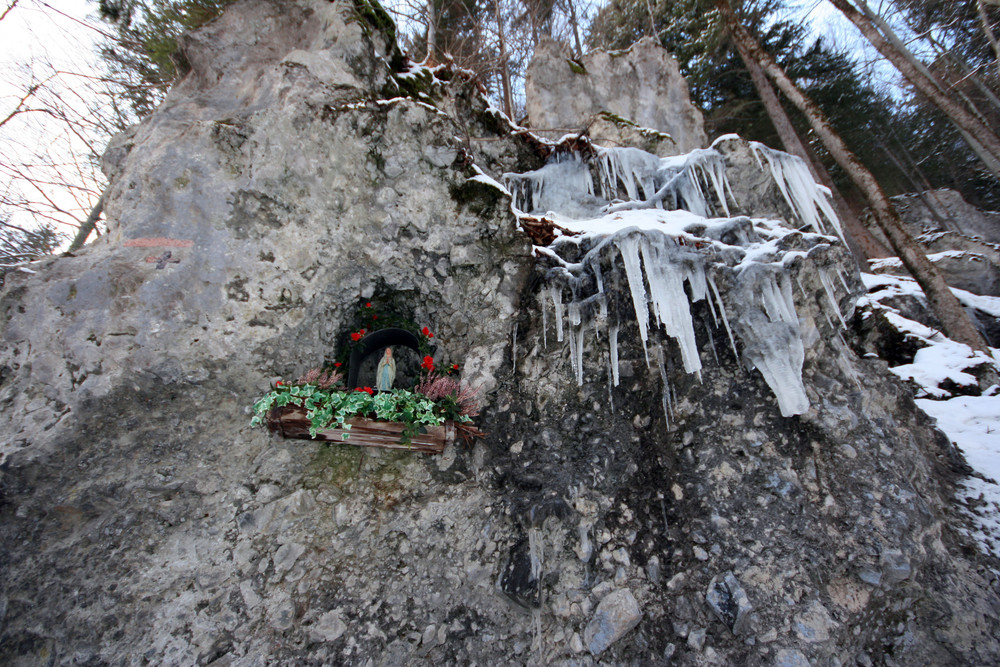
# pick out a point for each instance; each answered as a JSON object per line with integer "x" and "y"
{"x": 385, "y": 374}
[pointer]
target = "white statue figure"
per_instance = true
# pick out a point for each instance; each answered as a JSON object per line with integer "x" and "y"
{"x": 385, "y": 375}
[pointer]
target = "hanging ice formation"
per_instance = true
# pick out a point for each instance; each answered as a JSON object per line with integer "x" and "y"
{"x": 647, "y": 226}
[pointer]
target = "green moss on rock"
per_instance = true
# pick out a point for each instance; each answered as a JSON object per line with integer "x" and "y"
{"x": 576, "y": 66}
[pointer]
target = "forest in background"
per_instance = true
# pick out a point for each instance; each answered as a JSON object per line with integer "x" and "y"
{"x": 896, "y": 131}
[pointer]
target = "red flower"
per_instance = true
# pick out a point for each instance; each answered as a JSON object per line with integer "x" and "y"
{"x": 363, "y": 331}
{"x": 427, "y": 332}
{"x": 337, "y": 365}
{"x": 428, "y": 363}
{"x": 454, "y": 367}
{"x": 368, "y": 305}
{"x": 367, "y": 390}
{"x": 355, "y": 336}
{"x": 278, "y": 383}
{"x": 374, "y": 317}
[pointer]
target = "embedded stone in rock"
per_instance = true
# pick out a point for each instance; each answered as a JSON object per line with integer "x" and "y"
{"x": 789, "y": 657}
{"x": 729, "y": 602}
{"x": 814, "y": 624}
{"x": 518, "y": 581}
{"x": 895, "y": 567}
{"x": 616, "y": 614}
{"x": 329, "y": 627}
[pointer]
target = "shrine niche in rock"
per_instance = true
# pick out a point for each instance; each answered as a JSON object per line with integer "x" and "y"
{"x": 391, "y": 395}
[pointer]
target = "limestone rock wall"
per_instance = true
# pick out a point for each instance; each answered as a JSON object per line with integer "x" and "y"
{"x": 142, "y": 520}
{"x": 640, "y": 87}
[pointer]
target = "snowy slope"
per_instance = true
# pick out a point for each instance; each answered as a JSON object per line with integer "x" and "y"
{"x": 972, "y": 423}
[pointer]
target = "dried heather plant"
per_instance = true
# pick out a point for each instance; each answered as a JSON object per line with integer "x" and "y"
{"x": 437, "y": 387}
{"x": 322, "y": 379}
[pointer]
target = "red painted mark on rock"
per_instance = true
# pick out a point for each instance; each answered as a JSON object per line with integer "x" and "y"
{"x": 158, "y": 241}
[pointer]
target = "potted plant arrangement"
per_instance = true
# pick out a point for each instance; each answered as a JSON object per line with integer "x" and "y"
{"x": 322, "y": 404}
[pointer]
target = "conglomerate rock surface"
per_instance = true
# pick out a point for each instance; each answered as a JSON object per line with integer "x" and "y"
{"x": 143, "y": 522}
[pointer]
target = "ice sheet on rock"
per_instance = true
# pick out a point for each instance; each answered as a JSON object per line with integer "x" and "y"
{"x": 769, "y": 329}
{"x": 801, "y": 192}
{"x": 564, "y": 184}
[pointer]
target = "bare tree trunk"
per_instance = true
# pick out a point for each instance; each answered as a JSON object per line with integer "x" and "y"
{"x": 89, "y": 224}
{"x": 571, "y": 4}
{"x": 946, "y": 307}
{"x": 988, "y": 29}
{"x": 508, "y": 98}
{"x": 10, "y": 5}
{"x": 431, "y": 32}
{"x": 986, "y": 142}
{"x": 862, "y": 242}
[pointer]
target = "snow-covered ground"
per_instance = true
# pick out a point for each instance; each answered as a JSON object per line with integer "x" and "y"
{"x": 971, "y": 422}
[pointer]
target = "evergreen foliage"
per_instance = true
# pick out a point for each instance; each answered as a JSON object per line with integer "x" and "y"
{"x": 18, "y": 245}
{"x": 144, "y": 55}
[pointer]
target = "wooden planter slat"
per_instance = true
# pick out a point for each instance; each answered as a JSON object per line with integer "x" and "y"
{"x": 291, "y": 422}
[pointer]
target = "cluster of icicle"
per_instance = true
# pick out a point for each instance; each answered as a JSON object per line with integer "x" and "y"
{"x": 664, "y": 278}
{"x": 565, "y": 184}
{"x": 664, "y": 275}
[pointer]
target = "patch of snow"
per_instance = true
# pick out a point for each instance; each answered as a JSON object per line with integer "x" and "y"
{"x": 939, "y": 362}
{"x": 973, "y": 424}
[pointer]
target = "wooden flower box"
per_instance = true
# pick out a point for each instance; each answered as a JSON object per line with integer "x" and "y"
{"x": 291, "y": 422}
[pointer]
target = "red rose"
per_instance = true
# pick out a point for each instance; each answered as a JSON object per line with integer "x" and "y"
{"x": 427, "y": 332}
{"x": 278, "y": 383}
{"x": 368, "y": 305}
{"x": 337, "y": 365}
{"x": 367, "y": 390}
{"x": 454, "y": 367}
{"x": 355, "y": 336}
{"x": 428, "y": 363}
{"x": 363, "y": 331}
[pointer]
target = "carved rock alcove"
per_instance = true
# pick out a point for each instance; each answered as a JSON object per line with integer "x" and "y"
{"x": 365, "y": 357}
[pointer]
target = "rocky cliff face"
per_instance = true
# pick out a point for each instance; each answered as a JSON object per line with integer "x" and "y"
{"x": 634, "y": 97}
{"x": 625, "y": 510}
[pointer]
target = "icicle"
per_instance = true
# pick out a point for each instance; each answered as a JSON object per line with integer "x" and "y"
{"x": 613, "y": 343}
{"x": 596, "y": 266}
{"x": 579, "y": 355}
{"x": 824, "y": 278}
{"x": 611, "y": 393}
{"x": 711, "y": 339}
{"x": 665, "y": 394}
{"x": 670, "y": 301}
{"x": 556, "y": 294}
{"x": 843, "y": 280}
{"x": 725, "y": 318}
{"x": 770, "y": 333}
{"x": 545, "y": 323}
{"x": 635, "y": 169}
{"x": 797, "y": 186}
{"x": 628, "y": 246}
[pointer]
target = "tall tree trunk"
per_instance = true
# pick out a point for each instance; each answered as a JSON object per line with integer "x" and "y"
{"x": 574, "y": 24}
{"x": 862, "y": 242}
{"x": 986, "y": 142}
{"x": 988, "y": 29}
{"x": 508, "y": 99}
{"x": 946, "y": 307}
{"x": 431, "y": 32}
